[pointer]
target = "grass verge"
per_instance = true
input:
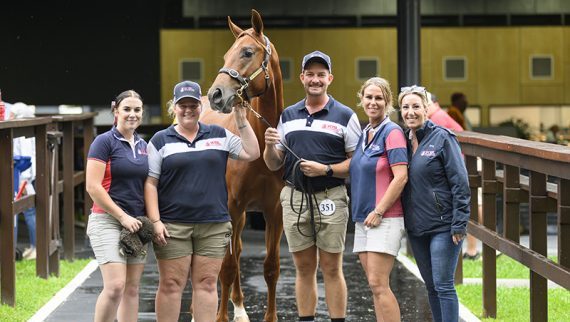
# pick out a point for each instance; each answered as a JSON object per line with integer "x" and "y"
{"x": 513, "y": 304}
{"x": 33, "y": 292}
{"x": 506, "y": 268}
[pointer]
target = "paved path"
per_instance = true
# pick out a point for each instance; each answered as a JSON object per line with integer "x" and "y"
{"x": 409, "y": 291}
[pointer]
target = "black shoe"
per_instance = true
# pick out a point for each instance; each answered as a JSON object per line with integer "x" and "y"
{"x": 472, "y": 257}
{"x": 18, "y": 254}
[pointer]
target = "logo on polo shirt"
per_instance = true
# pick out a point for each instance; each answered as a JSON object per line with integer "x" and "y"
{"x": 330, "y": 127}
{"x": 142, "y": 151}
{"x": 374, "y": 147}
{"x": 428, "y": 153}
{"x": 214, "y": 142}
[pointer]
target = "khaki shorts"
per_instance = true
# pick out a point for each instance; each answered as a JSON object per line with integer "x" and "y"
{"x": 104, "y": 232}
{"x": 331, "y": 230}
{"x": 206, "y": 239}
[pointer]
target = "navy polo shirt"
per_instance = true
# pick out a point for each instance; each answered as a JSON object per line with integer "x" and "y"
{"x": 192, "y": 175}
{"x": 325, "y": 137}
{"x": 125, "y": 172}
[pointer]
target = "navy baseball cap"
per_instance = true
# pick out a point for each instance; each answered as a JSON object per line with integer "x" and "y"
{"x": 187, "y": 89}
{"x": 317, "y": 56}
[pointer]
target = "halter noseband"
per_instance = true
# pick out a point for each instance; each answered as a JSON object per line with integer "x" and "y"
{"x": 244, "y": 82}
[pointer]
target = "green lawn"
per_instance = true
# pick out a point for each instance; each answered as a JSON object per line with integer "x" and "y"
{"x": 513, "y": 304}
{"x": 506, "y": 268}
{"x": 33, "y": 292}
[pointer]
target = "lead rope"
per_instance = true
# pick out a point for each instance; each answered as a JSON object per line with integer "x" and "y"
{"x": 303, "y": 183}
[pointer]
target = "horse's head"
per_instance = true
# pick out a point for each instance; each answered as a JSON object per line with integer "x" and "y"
{"x": 246, "y": 71}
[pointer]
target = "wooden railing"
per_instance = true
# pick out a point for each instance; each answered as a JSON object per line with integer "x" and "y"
{"x": 541, "y": 160}
{"x": 45, "y": 201}
{"x": 70, "y": 125}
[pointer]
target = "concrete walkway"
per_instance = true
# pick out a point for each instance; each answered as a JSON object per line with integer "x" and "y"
{"x": 410, "y": 291}
{"x": 406, "y": 283}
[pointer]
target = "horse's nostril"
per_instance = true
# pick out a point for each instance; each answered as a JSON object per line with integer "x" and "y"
{"x": 217, "y": 96}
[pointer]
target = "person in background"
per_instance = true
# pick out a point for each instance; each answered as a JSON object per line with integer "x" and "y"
{"x": 323, "y": 132}
{"x": 379, "y": 172}
{"x": 438, "y": 116}
{"x": 436, "y": 202}
{"x": 117, "y": 167}
{"x": 187, "y": 200}
{"x": 457, "y": 110}
{"x": 26, "y": 147}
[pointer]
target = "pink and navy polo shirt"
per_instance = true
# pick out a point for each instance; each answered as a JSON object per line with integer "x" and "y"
{"x": 126, "y": 169}
{"x": 370, "y": 169}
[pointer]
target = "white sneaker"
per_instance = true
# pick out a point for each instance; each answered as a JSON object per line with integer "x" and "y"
{"x": 27, "y": 251}
{"x": 31, "y": 254}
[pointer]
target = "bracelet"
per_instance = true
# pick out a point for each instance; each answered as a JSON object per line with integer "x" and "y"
{"x": 242, "y": 126}
{"x": 380, "y": 215}
{"x": 156, "y": 221}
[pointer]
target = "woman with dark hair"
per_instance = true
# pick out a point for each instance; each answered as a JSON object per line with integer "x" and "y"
{"x": 436, "y": 202}
{"x": 117, "y": 167}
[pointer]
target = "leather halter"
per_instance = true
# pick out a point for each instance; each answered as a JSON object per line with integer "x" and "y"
{"x": 244, "y": 81}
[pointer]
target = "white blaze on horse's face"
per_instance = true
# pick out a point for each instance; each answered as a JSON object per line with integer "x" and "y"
{"x": 245, "y": 73}
{"x": 239, "y": 76}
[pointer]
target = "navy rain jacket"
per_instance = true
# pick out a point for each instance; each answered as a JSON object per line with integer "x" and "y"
{"x": 437, "y": 196}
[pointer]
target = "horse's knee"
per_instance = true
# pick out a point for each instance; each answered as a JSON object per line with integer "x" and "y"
{"x": 271, "y": 269}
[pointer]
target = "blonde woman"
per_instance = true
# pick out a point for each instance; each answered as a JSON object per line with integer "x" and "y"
{"x": 436, "y": 202}
{"x": 378, "y": 172}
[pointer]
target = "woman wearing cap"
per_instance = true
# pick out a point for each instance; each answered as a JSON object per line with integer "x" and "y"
{"x": 378, "y": 171}
{"x": 186, "y": 199}
{"x": 436, "y": 202}
{"x": 117, "y": 166}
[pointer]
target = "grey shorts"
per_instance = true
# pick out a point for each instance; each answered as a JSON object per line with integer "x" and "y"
{"x": 206, "y": 239}
{"x": 104, "y": 232}
{"x": 331, "y": 229}
{"x": 384, "y": 238}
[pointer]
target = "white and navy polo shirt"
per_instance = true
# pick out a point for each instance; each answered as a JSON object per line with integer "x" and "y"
{"x": 371, "y": 172}
{"x": 125, "y": 172}
{"x": 192, "y": 175}
{"x": 325, "y": 137}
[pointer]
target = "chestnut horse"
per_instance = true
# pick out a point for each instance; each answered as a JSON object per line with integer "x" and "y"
{"x": 251, "y": 71}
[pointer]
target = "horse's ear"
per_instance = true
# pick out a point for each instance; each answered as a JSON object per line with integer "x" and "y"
{"x": 235, "y": 29}
{"x": 256, "y": 21}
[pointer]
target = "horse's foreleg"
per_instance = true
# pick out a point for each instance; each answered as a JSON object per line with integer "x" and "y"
{"x": 240, "y": 315}
{"x": 273, "y": 231}
{"x": 226, "y": 278}
{"x": 230, "y": 271}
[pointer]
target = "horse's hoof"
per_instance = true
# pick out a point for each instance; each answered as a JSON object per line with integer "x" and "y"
{"x": 243, "y": 318}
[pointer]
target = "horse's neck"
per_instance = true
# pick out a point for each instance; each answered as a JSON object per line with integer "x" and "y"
{"x": 270, "y": 104}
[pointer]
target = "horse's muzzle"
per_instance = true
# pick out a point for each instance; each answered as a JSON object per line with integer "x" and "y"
{"x": 218, "y": 102}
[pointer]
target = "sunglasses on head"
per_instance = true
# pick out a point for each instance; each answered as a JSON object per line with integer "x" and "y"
{"x": 413, "y": 89}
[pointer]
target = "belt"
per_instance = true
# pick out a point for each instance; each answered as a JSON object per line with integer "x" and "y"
{"x": 290, "y": 185}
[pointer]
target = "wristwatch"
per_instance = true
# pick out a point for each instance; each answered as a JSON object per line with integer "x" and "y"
{"x": 329, "y": 171}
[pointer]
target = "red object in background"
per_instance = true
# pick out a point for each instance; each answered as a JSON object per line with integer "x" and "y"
{"x": 22, "y": 189}
{"x": 2, "y": 107}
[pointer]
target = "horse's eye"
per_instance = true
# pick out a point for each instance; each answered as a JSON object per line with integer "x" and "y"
{"x": 248, "y": 53}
